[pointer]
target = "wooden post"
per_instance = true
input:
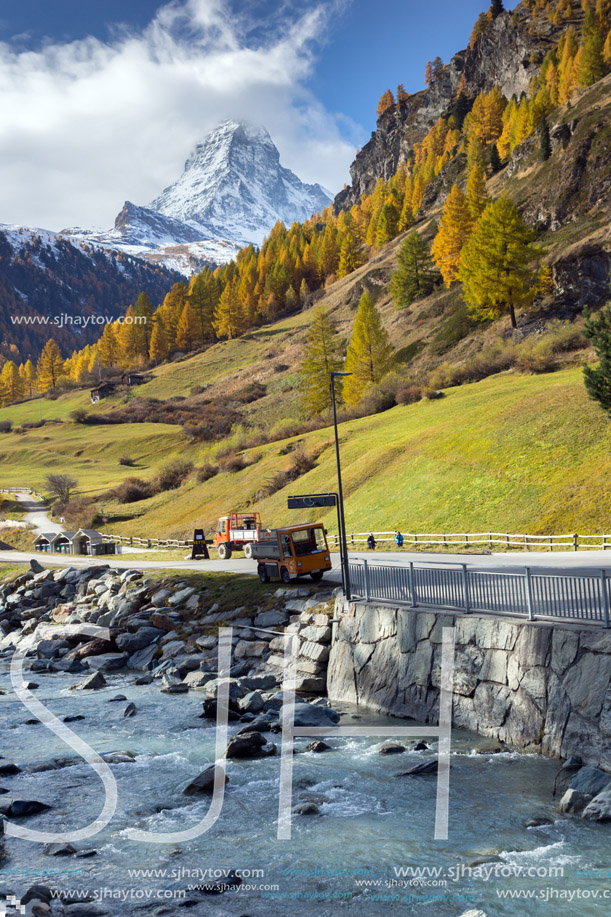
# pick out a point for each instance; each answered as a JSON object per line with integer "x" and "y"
{"x": 575, "y": 538}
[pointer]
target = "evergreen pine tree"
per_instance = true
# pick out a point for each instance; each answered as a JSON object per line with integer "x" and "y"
{"x": 455, "y": 228}
{"x": 496, "y": 8}
{"x": 369, "y": 354}
{"x": 50, "y": 366}
{"x": 323, "y": 354}
{"x": 545, "y": 145}
{"x": 495, "y": 264}
{"x": 415, "y": 277}
{"x": 597, "y": 379}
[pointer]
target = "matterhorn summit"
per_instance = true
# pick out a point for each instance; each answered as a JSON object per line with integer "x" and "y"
{"x": 232, "y": 191}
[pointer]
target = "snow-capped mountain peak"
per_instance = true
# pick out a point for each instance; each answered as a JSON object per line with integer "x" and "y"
{"x": 234, "y": 186}
{"x": 232, "y": 191}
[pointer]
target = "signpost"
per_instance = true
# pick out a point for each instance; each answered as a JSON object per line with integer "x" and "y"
{"x": 200, "y": 548}
{"x": 309, "y": 501}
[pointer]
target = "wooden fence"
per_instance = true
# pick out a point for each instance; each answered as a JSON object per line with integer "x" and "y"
{"x": 569, "y": 542}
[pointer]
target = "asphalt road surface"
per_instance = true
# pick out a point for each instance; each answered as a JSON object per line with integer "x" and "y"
{"x": 572, "y": 561}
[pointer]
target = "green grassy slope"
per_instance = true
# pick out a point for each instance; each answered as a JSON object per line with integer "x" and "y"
{"x": 511, "y": 453}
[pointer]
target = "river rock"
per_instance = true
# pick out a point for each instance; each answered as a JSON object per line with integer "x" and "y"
{"x": 391, "y": 748}
{"x": 144, "y": 636}
{"x": 306, "y": 808}
{"x": 172, "y": 684}
{"x": 92, "y": 682}
{"x": 318, "y": 746}
{"x": 36, "y": 567}
{"x": 204, "y": 782}
{"x": 310, "y": 715}
{"x": 58, "y": 850}
{"x": 423, "y": 769}
{"x": 107, "y": 662}
{"x": 8, "y": 769}
{"x": 590, "y": 780}
{"x": 198, "y": 679}
{"x": 142, "y": 659}
{"x": 251, "y": 703}
{"x": 573, "y": 802}
{"x": 257, "y": 724}
{"x": 20, "y": 808}
{"x": 130, "y": 710}
{"x": 95, "y": 647}
{"x": 246, "y": 745}
{"x": 599, "y": 809}
{"x": 179, "y": 597}
{"x": 258, "y": 682}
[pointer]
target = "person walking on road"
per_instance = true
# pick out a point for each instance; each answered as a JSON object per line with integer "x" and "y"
{"x": 398, "y": 539}
{"x": 371, "y": 542}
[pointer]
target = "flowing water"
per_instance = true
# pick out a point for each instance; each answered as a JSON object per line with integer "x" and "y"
{"x": 349, "y": 859}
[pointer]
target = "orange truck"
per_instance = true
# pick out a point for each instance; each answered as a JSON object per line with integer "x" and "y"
{"x": 237, "y": 532}
{"x": 296, "y": 550}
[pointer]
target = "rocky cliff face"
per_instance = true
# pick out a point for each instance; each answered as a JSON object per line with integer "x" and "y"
{"x": 507, "y": 54}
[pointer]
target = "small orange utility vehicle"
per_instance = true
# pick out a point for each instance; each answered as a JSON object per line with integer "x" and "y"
{"x": 237, "y": 532}
{"x": 296, "y": 550}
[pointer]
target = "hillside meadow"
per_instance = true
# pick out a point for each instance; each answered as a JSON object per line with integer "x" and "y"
{"x": 516, "y": 453}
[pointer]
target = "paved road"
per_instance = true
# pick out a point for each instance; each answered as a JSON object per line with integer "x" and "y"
{"x": 36, "y": 515}
{"x": 573, "y": 561}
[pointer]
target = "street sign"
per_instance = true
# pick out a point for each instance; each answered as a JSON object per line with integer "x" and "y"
{"x": 200, "y": 548}
{"x": 307, "y": 501}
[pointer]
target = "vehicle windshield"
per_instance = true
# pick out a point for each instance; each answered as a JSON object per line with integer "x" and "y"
{"x": 308, "y": 541}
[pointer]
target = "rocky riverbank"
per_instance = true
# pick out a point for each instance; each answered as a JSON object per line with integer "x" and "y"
{"x": 163, "y": 642}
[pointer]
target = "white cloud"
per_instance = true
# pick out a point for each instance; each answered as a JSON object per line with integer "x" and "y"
{"x": 88, "y": 124}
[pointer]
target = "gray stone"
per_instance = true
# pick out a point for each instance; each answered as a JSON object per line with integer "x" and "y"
{"x": 586, "y": 683}
{"x": 198, "y": 679}
{"x": 391, "y": 748}
{"x": 318, "y": 746}
{"x": 258, "y": 682}
{"x": 422, "y": 769}
{"x": 144, "y": 636}
{"x": 590, "y": 779}
{"x": 142, "y": 659}
{"x": 306, "y": 808}
{"x": 130, "y": 710}
{"x": 204, "y": 782}
{"x": 272, "y": 618}
{"x": 317, "y": 652}
{"x": 179, "y": 597}
{"x": 58, "y": 850}
{"x": 106, "y": 662}
{"x": 599, "y": 809}
{"x": 251, "y": 703}
{"x": 573, "y": 802}
{"x": 92, "y": 682}
{"x": 246, "y": 745}
{"x": 310, "y": 715}
{"x": 316, "y": 634}
{"x": 565, "y": 644}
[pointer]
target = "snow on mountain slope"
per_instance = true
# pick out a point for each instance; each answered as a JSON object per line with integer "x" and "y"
{"x": 232, "y": 191}
{"x": 234, "y": 187}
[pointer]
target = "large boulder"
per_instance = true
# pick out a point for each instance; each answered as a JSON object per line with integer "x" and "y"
{"x": 310, "y": 715}
{"x": 107, "y": 662}
{"x": 144, "y": 636}
{"x": 599, "y": 809}
{"x": 92, "y": 682}
{"x": 204, "y": 782}
{"x": 246, "y": 745}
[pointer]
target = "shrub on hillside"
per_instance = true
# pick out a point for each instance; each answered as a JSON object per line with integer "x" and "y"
{"x": 127, "y": 460}
{"x": 301, "y": 463}
{"x": 172, "y": 475}
{"x": 230, "y": 464}
{"x": 6, "y": 426}
{"x": 409, "y": 394}
{"x": 79, "y": 415}
{"x": 205, "y": 472}
{"x": 132, "y": 490}
{"x": 81, "y": 514}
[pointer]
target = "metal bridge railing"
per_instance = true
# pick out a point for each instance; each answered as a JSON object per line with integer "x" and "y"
{"x": 532, "y": 592}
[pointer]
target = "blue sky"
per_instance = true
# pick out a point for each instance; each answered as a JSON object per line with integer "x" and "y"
{"x": 104, "y": 98}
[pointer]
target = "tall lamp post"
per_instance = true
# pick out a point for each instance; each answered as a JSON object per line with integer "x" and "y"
{"x": 342, "y": 521}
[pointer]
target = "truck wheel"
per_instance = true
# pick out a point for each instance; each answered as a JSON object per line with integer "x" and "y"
{"x": 263, "y": 574}
{"x": 224, "y": 551}
{"x": 248, "y": 551}
{"x": 316, "y": 576}
{"x": 285, "y": 576}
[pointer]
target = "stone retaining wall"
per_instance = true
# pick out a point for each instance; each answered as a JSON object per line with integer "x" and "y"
{"x": 533, "y": 685}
